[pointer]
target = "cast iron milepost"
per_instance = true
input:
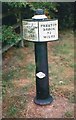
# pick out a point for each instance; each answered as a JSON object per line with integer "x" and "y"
{"x": 42, "y": 79}
{"x": 40, "y": 30}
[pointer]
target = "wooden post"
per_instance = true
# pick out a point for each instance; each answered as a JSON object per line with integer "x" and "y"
{"x": 22, "y": 41}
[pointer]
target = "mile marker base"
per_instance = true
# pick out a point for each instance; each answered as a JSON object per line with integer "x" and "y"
{"x": 43, "y": 102}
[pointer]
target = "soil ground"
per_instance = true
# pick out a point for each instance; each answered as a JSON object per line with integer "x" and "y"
{"x": 19, "y": 85}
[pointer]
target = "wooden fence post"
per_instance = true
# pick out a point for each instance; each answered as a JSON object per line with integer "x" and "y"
{"x": 22, "y": 41}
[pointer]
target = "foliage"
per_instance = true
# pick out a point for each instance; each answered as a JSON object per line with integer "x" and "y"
{"x": 44, "y": 5}
{"x": 66, "y": 15}
{"x": 8, "y": 35}
{"x": 16, "y": 4}
{"x": 18, "y": 7}
{"x": 49, "y": 7}
{"x": 61, "y": 10}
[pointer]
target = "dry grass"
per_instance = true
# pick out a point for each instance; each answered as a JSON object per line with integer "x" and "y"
{"x": 19, "y": 75}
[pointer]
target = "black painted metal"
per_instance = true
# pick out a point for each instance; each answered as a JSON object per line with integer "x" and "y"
{"x": 42, "y": 84}
{"x": 41, "y": 66}
{"x": 39, "y": 12}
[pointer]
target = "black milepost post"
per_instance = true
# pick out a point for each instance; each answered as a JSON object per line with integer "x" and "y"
{"x": 40, "y": 30}
{"x": 42, "y": 79}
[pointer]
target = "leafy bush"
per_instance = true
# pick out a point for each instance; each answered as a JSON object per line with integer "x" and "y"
{"x": 9, "y": 36}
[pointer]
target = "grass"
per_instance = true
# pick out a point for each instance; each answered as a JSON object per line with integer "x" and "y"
{"x": 9, "y": 76}
{"x": 63, "y": 55}
{"x": 16, "y": 73}
{"x": 5, "y": 86}
{"x": 30, "y": 68}
{"x": 56, "y": 75}
{"x": 65, "y": 46}
{"x": 61, "y": 49}
{"x": 71, "y": 97}
{"x": 63, "y": 52}
{"x": 68, "y": 114}
{"x": 12, "y": 111}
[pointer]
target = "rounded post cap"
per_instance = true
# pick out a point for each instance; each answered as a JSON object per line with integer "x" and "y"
{"x": 39, "y": 15}
{"x": 39, "y": 12}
